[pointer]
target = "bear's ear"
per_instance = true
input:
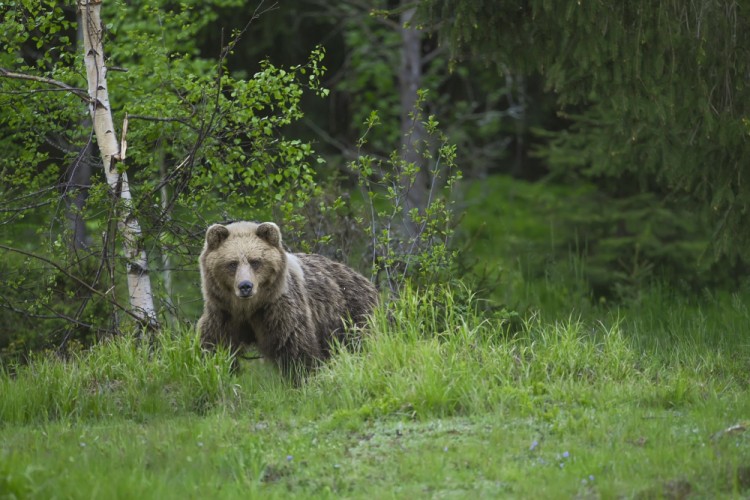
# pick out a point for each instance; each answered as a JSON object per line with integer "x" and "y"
{"x": 215, "y": 236}
{"x": 269, "y": 232}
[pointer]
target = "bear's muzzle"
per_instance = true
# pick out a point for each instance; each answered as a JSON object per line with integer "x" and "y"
{"x": 245, "y": 289}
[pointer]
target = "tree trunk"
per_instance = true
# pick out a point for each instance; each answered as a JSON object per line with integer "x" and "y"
{"x": 139, "y": 283}
{"x": 413, "y": 133}
{"x": 78, "y": 180}
{"x": 166, "y": 262}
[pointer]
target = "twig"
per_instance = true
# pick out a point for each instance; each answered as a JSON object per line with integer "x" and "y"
{"x": 49, "y": 81}
{"x": 161, "y": 119}
{"x": 78, "y": 280}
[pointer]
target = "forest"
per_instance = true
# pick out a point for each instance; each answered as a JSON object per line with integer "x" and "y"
{"x": 548, "y": 196}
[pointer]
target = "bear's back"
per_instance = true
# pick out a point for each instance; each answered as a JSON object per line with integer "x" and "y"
{"x": 335, "y": 292}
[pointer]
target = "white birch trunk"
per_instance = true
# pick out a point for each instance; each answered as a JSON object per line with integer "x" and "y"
{"x": 139, "y": 283}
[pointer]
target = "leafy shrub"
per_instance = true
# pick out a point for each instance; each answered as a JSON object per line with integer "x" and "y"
{"x": 408, "y": 242}
{"x": 204, "y": 145}
{"x": 45, "y": 307}
{"x": 585, "y": 244}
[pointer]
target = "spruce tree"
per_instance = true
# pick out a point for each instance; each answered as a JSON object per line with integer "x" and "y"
{"x": 657, "y": 91}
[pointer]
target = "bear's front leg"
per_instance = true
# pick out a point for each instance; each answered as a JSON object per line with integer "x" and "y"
{"x": 288, "y": 338}
{"x": 219, "y": 328}
{"x": 211, "y": 329}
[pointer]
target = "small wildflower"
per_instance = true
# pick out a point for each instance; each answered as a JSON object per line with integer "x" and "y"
{"x": 565, "y": 454}
{"x": 534, "y": 444}
{"x": 445, "y": 448}
{"x": 289, "y": 458}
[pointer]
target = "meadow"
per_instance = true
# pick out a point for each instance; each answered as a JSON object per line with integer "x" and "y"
{"x": 447, "y": 399}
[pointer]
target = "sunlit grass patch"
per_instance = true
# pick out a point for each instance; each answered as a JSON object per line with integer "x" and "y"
{"x": 423, "y": 361}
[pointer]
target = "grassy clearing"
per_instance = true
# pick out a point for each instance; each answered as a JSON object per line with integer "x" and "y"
{"x": 441, "y": 401}
{"x": 123, "y": 377}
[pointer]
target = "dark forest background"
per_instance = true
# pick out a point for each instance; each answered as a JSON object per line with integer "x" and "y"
{"x": 553, "y": 156}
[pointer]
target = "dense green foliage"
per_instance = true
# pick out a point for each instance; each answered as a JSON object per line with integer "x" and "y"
{"x": 590, "y": 247}
{"x": 193, "y": 126}
{"x": 202, "y": 145}
{"x": 655, "y": 93}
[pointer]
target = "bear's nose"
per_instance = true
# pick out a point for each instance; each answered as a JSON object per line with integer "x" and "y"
{"x": 245, "y": 288}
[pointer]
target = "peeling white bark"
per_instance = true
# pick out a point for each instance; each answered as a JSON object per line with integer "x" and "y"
{"x": 139, "y": 282}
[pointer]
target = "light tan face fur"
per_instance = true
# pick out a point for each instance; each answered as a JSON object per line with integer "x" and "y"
{"x": 243, "y": 259}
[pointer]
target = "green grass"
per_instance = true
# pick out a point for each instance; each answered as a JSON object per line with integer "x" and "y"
{"x": 441, "y": 401}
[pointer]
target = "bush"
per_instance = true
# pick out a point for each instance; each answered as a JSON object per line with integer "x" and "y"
{"x": 584, "y": 244}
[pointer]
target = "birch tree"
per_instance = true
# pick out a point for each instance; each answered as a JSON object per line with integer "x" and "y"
{"x": 112, "y": 153}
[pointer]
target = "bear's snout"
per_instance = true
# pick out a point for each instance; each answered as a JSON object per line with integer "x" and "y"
{"x": 245, "y": 289}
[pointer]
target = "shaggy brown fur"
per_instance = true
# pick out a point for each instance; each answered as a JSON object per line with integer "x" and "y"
{"x": 290, "y": 305}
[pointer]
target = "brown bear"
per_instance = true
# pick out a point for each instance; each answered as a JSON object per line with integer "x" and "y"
{"x": 291, "y": 305}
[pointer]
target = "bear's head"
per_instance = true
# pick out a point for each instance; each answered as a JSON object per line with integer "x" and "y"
{"x": 242, "y": 261}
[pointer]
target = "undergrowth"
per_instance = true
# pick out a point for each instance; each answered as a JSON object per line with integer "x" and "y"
{"x": 433, "y": 353}
{"x": 442, "y": 398}
{"x": 122, "y": 377}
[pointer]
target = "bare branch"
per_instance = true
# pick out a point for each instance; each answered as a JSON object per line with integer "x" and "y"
{"x": 183, "y": 121}
{"x": 256, "y": 14}
{"x": 49, "y": 81}
{"x": 24, "y": 208}
{"x": 55, "y": 314}
{"x": 106, "y": 295}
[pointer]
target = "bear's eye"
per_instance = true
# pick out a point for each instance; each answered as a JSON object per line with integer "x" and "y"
{"x": 255, "y": 264}
{"x": 232, "y": 266}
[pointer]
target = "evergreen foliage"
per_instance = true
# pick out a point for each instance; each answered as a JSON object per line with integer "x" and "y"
{"x": 575, "y": 247}
{"x": 654, "y": 89}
